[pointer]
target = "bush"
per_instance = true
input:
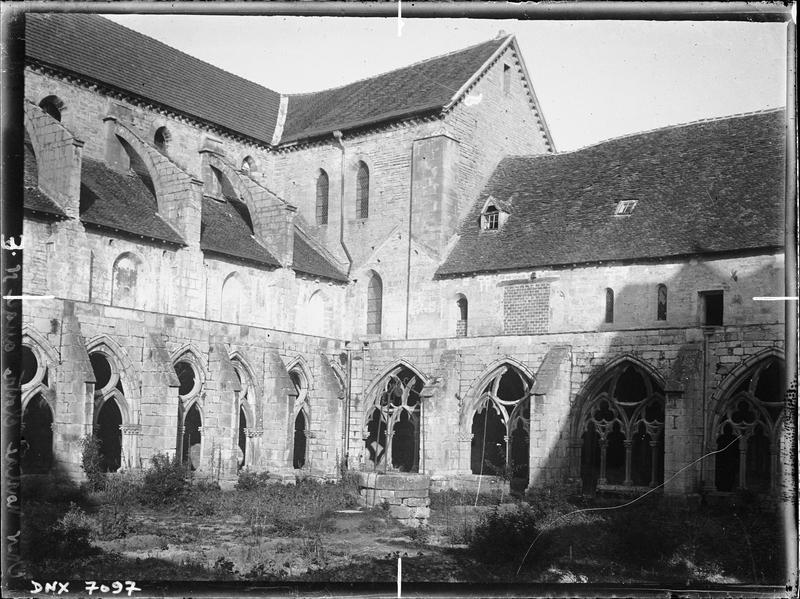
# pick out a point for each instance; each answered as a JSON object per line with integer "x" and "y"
{"x": 92, "y": 462}
{"x": 70, "y": 536}
{"x": 504, "y": 537}
{"x": 249, "y": 480}
{"x": 166, "y": 481}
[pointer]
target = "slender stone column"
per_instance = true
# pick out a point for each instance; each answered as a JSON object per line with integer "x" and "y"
{"x": 603, "y": 447}
{"x": 743, "y": 462}
{"x": 653, "y": 462}
{"x": 628, "y": 457}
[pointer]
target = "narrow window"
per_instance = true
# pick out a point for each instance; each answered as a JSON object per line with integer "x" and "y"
{"x": 362, "y": 191}
{"x": 322, "y": 198}
{"x": 53, "y": 106}
{"x": 374, "y": 305}
{"x": 461, "y": 323}
{"x": 609, "y": 304}
{"x": 161, "y": 139}
{"x": 661, "y": 311}
{"x": 712, "y": 306}
{"x": 248, "y": 165}
{"x": 506, "y": 79}
{"x": 491, "y": 218}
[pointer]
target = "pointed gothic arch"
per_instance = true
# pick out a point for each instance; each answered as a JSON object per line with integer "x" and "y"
{"x": 746, "y": 425}
{"x": 392, "y": 423}
{"x": 620, "y": 425}
{"x": 300, "y": 421}
{"x": 496, "y": 416}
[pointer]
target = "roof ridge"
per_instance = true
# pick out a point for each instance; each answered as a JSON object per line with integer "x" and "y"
{"x": 407, "y": 66}
{"x": 672, "y": 126}
{"x": 173, "y": 48}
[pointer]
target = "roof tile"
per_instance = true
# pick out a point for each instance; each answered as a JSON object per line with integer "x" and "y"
{"x": 224, "y": 231}
{"x": 421, "y": 87}
{"x": 129, "y": 61}
{"x": 706, "y": 187}
{"x": 312, "y": 262}
{"x": 110, "y": 199}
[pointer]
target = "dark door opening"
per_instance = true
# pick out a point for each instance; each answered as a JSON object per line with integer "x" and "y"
{"x": 37, "y": 437}
{"x": 299, "y": 454}
{"x": 109, "y": 434}
{"x": 192, "y": 438}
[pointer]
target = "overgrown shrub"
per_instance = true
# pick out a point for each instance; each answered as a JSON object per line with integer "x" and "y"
{"x": 249, "y": 480}
{"x": 71, "y": 535}
{"x": 92, "y": 462}
{"x": 166, "y": 481}
{"x": 504, "y": 536}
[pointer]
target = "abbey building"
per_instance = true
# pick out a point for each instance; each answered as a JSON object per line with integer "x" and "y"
{"x": 400, "y": 274}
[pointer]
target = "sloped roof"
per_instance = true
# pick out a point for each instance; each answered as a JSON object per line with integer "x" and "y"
{"x": 309, "y": 261}
{"x": 34, "y": 199}
{"x": 224, "y": 231}
{"x": 419, "y": 88}
{"x": 109, "y": 53}
{"x": 702, "y": 188}
{"x": 113, "y": 200}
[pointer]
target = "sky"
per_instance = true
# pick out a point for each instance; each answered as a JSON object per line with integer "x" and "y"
{"x": 594, "y": 79}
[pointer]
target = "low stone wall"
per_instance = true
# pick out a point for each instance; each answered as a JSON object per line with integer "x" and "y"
{"x": 406, "y": 494}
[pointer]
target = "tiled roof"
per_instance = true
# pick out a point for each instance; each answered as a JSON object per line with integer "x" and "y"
{"x": 421, "y": 87}
{"x": 309, "y": 261}
{"x": 705, "y": 187}
{"x": 34, "y": 199}
{"x": 112, "y": 200}
{"x": 225, "y": 231}
{"x": 109, "y": 53}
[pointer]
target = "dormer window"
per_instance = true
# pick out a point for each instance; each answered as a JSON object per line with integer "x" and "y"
{"x": 493, "y": 215}
{"x": 491, "y": 218}
{"x": 625, "y": 207}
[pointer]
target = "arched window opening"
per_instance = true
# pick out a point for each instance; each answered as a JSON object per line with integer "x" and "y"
{"x": 362, "y": 191}
{"x": 747, "y": 430}
{"x": 53, "y": 106}
{"x": 36, "y": 439}
{"x": 192, "y": 437}
{"x": 374, "y": 304}
{"x": 186, "y": 376}
{"x": 299, "y": 450}
{"x": 109, "y": 434}
{"x": 248, "y": 165}
{"x": 609, "y": 305}
{"x": 161, "y": 139}
{"x": 125, "y": 279}
{"x": 246, "y": 422}
{"x": 30, "y": 365}
{"x": 462, "y": 308}
{"x": 242, "y": 439}
{"x": 393, "y": 423}
{"x": 661, "y": 311}
{"x": 231, "y": 299}
{"x": 101, "y": 369}
{"x": 300, "y": 411}
{"x": 322, "y": 198}
{"x": 501, "y": 427}
{"x": 622, "y": 430}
